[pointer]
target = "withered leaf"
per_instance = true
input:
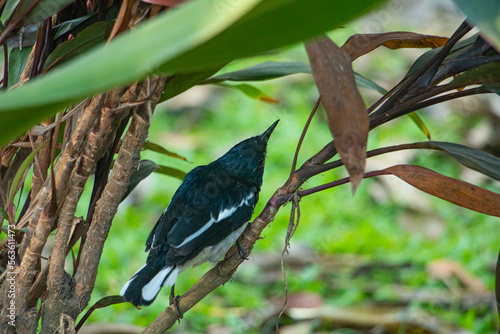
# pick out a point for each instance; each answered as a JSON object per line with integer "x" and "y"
{"x": 452, "y": 190}
{"x": 345, "y": 109}
{"x": 360, "y": 44}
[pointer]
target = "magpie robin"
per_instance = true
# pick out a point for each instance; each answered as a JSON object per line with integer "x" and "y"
{"x": 206, "y": 215}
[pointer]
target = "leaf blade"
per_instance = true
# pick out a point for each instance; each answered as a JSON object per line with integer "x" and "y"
{"x": 486, "y": 15}
{"x": 472, "y": 158}
{"x": 420, "y": 124}
{"x": 360, "y": 44}
{"x": 449, "y": 189}
{"x": 345, "y": 108}
{"x": 160, "y": 149}
{"x": 170, "y": 171}
{"x": 203, "y": 28}
{"x": 251, "y": 91}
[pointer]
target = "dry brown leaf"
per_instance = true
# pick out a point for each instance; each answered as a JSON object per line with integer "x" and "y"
{"x": 444, "y": 269}
{"x": 123, "y": 18}
{"x": 360, "y": 44}
{"x": 452, "y": 190}
{"x": 345, "y": 109}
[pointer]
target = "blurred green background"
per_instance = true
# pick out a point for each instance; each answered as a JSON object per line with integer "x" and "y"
{"x": 355, "y": 250}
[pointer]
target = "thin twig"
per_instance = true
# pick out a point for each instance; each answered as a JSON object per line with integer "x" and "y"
{"x": 103, "y": 302}
{"x": 303, "y": 134}
{"x": 433, "y": 64}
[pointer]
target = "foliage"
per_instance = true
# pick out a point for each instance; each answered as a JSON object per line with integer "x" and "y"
{"x": 102, "y": 137}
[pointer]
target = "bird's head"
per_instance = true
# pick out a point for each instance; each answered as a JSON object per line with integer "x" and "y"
{"x": 246, "y": 159}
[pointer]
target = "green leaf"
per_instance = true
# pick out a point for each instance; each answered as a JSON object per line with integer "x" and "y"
{"x": 19, "y": 174}
{"x": 265, "y": 71}
{"x": 17, "y": 62}
{"x": 16, "y": 231}
{"x": 270, "y": 25}
{"x": 208, "y": 33}
{"x": 10, "y": 5}
{"x": 364, "y": 82}
{"x": 84, "y": 41}
{"x": 174, "y": 172}
{"x": 273, "y": 70}
{"x": 145, "y": 168}
{"x": 131, "y": 56}
{"x": 485, "y": 14}
{"x": 67, "y": 26}
{"x": 159, "y": 149}
{"x": 181, "y": 82}
{"x": 420, "y": 124}
{"x": 459, "y": 48}
{"x": 480, "y": 75}
{"x": 477, "y": 160}
{"x": 4, "y": 214}
{"x": 251, "y": 91}
{"x": 42, "y": 10}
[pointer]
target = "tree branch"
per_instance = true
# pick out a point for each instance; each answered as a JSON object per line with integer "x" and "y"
{"x": 125, "y": 165}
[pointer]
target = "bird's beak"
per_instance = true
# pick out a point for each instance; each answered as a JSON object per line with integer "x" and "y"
{"x": 265, "y": 136}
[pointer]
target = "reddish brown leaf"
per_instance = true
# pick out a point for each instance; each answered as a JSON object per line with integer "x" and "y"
{"x": 452, "y": 190}
{"x": 360, "y": 44}
{"x": 345, "y": 109}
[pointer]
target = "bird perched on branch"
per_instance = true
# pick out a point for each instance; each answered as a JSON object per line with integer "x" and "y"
{"x": 206, "y": 216}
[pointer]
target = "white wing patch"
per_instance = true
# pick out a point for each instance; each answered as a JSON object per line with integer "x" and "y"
{"x": 222, "y": 215}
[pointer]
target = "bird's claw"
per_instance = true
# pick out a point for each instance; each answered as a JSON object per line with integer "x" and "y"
{"x": 174, "y": 300}
{"x": 241, "y": 251}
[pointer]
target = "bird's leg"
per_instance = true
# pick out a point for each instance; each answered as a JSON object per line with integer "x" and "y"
{"x": 240, "y": 250}
{"x": 175, "y": 301}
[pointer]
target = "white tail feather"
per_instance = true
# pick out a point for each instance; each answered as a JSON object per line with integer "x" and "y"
{"x": 150, "y": 290}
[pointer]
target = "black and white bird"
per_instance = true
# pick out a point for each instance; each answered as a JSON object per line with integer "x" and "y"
{"x": 206, "y": 216}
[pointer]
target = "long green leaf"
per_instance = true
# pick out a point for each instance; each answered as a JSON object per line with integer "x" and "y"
{"x": 470, "y": 157}
{"x": 17, "y": 62}
{"x": 420, "y": 124}
{"x": 270, "y": 25}
{"x": 84, "y": 41}
{"x": 265, "y": 71}
{"x": 194, "y": 37}
{"x": 480, "y": 75}
{"x": 41, "y": 11}
{"x": 174, "y": 172}
{"x": 459, "y": 48}
{"x": 160, "y": 149}
{"x": 129, "y": 57}
{"x": 273, "y": 70}
{"x": 486, "y": 15}
{"x": 251, "y": 91}
{"x": 181, "y": 82}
